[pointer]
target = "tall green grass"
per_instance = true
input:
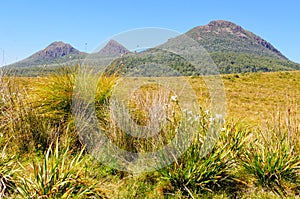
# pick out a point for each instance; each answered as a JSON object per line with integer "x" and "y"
{"x": 58, "y": 175}
{"x": 194, "y": 174}
{"x": 272, "y": 157}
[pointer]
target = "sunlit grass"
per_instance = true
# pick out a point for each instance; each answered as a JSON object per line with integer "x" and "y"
{"x": 8, "y": 172}
{"x": 256, "y": 97}
{"x": 256, "y": 157}
{"x": 57, "y": 175}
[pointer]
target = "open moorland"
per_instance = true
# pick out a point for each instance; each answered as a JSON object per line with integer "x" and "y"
{"x": 256, "y": 155}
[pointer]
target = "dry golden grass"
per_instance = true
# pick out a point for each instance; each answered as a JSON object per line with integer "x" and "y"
{"x": 257, "y": 98}
{"x": 252, "y": 98}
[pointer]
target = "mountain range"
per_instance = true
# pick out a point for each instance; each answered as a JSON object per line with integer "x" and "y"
{"x": 232, "y": 48}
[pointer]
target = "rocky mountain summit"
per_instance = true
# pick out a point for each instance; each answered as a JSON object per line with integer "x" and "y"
{"x": 113, "y": 48}
{"x": 225, "y": 36}
{"x": 56, "y": 50}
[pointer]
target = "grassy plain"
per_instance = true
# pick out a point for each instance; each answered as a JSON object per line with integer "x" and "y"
{"x": 256, "y": 98}
{"x": 256, "y": 156}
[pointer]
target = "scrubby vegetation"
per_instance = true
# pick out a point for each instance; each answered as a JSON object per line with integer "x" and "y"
{"x": 42, "y": 156}
{"x": 156, "y": 62}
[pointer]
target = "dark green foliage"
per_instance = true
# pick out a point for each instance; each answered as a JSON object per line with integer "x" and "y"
{"x": 154, "y": 62}
{"x": 163, "y": 63}
{"x": 242, "y": 63}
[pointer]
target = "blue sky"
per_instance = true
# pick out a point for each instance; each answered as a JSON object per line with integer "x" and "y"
{"x": 29, "y": 26}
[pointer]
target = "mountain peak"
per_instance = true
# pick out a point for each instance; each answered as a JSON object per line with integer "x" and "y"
{"x": 113, "y": 48}
{"x": 222, "y": 23}
{"x": 57, "y": 43}
{"x": 226, "y": 36}
{"x": 113, "y": 42}
{"x": 57, "y": 49}
{"x": 55, "y": 52}
{"x": 219, "y": 26}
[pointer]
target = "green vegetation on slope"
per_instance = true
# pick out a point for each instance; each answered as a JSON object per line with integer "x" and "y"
{"x": 161, "y": 63}
{"x": 229, "y": 63}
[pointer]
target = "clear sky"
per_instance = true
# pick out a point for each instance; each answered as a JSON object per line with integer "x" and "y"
{"x": 29, "y": 26}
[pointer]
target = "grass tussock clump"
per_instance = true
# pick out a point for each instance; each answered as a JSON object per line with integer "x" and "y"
{"x": 58, "y": 175}
{"x": 193, "y": 175}
{"x": 52, "y": 99}
{"x": 53, "y": 94}
{"x": 272, "y": 157}
{"x": 26, "y": 128}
